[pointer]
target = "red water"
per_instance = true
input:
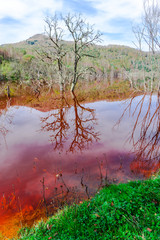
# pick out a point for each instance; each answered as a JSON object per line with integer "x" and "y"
{"x": 69, "y": 153}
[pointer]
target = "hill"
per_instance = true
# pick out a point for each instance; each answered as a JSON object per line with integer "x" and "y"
{"x": 34, "y": 58}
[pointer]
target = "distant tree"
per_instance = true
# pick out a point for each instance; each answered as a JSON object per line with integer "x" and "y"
{"x": 148, "y": 31}
{"x": 84, "y": 37}
{"x": 151, "y": 21}
{"x": 138, "y": 31}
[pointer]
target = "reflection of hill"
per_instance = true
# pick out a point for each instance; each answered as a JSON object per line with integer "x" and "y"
{"x": 83, "y": 132}
{"x": 147, "y": 147}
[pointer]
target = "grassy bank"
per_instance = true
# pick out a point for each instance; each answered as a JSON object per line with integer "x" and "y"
{"x": 124, "y": 211}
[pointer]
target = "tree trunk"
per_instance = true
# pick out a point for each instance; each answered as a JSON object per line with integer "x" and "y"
{"x": 144, "y": 80}
{"x": 8, "y": 92}
{"x": 72, "y": 86}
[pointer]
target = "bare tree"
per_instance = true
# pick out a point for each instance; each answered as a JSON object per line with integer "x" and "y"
{"x": 84, "y": 37}
{"x": 151, "y": 21}
{"x": 148, "y": 31}
{"x": 56, "y": 50}
{"x": 138, "y": 31}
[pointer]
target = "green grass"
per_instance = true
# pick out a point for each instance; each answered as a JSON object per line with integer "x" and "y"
{"x": 124, "y": 211}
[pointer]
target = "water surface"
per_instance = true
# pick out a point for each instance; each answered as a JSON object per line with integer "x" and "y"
{"x": 74, "y": 150}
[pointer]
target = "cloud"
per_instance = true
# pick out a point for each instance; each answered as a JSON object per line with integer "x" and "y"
{"x": 115, "y": 18}
{"x": 20, "y": 19}
{"x": 20, "y": 9}
{"x": 82, "y": 6}
{"x": 118, "y": 8}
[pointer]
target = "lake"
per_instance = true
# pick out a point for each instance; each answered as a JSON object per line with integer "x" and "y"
{"x": 50, "y": 158}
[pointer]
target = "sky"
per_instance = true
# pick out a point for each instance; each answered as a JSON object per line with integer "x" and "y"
{"x": 21, "y": 19}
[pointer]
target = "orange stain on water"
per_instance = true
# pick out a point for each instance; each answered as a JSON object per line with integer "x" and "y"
{"x": 145, "y": 168}
{"x": 12, "y": 222}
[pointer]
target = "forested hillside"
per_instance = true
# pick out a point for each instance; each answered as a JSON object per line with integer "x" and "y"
{"x": 29, "y": 62}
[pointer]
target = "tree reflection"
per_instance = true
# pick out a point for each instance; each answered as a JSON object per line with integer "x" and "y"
{"x": 57, "y": 124}
{"x": 4, "y": 121}
{"x": 84, "y": 131}
{"x": 80, "y": 128}
{"x": 147, "y": 123}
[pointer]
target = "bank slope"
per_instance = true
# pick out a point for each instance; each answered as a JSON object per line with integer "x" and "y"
{"x": 124, "y": 211}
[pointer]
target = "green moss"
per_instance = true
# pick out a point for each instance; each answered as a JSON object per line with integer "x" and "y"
{"x": 124, "y": 211}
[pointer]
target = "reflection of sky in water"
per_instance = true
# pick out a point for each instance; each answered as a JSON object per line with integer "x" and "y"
{"x": 28, "y": 153}
{"x": 26, "y": 125}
